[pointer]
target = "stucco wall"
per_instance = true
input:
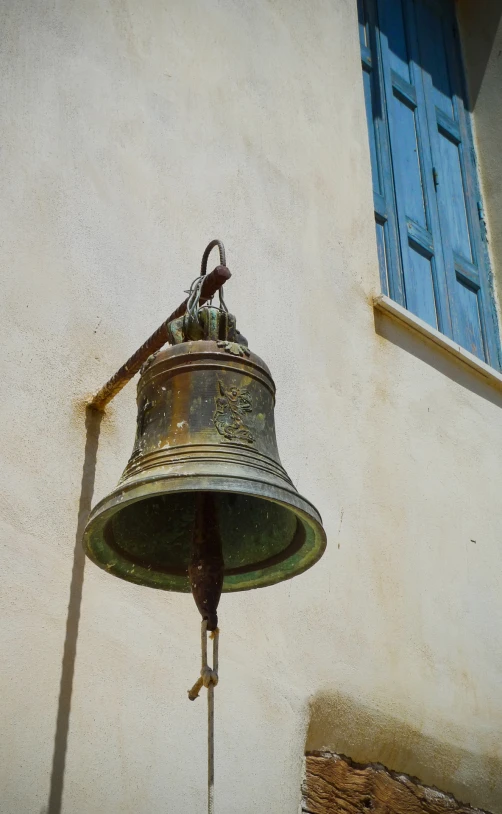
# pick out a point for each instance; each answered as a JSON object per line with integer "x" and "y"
{"x": 134, "y": 133}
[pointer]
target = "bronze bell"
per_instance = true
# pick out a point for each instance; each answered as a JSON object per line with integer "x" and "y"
{"x": 204, "y": 491}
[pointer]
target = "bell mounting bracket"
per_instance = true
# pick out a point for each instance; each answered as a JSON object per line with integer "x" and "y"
{"x": 207, "y": 288}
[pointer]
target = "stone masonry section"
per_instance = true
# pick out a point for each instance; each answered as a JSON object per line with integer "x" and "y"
{"x": 336, "y": 785}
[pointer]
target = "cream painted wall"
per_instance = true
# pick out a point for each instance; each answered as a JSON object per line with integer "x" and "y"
{"x": 133, "y": 133}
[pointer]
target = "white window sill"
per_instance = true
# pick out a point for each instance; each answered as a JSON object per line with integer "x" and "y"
{"x": 393, "y": 309}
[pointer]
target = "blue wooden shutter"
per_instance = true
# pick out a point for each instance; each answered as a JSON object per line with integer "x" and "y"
{"x": 381, "y": 162}
{"x": 422, "y": 148}
{"x": 473, "y": 312}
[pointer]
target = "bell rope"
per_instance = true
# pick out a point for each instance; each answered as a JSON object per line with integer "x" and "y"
{"x": 208, "y": 678}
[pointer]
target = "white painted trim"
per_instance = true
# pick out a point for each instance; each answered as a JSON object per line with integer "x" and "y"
{"x": 393, "y": 309}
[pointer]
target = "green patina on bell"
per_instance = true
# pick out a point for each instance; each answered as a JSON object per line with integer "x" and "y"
{"x": 206, "y": 456}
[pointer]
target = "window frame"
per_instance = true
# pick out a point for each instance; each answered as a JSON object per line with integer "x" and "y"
{"x": 395, "y": 233}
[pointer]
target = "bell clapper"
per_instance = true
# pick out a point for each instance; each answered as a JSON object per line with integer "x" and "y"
{"x": 206, "y": 566}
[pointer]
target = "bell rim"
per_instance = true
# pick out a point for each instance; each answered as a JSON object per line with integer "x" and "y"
{"x": 128, "y": 494}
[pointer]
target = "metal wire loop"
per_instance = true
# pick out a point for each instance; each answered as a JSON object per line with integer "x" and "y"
{"x": 194, "y": 298}
{"x": 193, "y": 302}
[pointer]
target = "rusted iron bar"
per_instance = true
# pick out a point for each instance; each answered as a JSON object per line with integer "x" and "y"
{"x": 212, "y": 283}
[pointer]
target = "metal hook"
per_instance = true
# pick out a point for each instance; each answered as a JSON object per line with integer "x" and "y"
{"x": 207, "y": 252}
{"x": 223, "y": 261}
